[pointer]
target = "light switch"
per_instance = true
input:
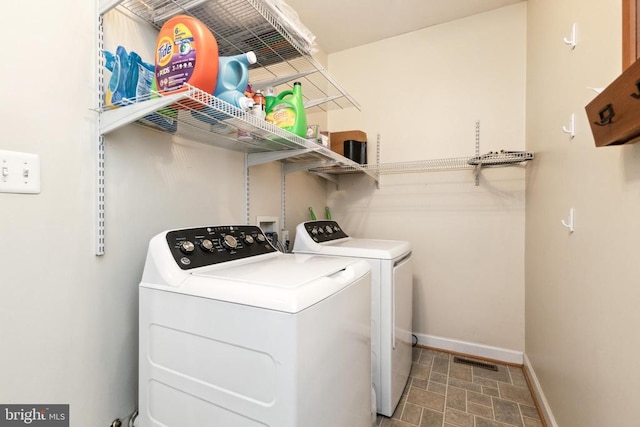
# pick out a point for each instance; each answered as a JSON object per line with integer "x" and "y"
{"x": 19, "y": 172}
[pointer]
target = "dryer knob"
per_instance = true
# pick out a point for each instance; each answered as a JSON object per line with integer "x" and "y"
{"x": 207, "y": 245}
{"x": 314, "y": 231}
{"x": 260, "y": 238}
{"x": 230, "y": 242}
{"x": 328, "y": 229}
{"x": 187, "y": 247}
{"x": 248, "y": 239}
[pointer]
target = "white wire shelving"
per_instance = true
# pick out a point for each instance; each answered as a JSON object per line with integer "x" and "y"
{"x": 491, "y": 159}
{"x": 197, "y": 115}
{"x": 239, "y": 26}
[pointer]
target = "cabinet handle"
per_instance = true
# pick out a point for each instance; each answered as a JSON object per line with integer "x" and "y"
{"x": 637, "y": 95}
{"x": 606, "y": 115}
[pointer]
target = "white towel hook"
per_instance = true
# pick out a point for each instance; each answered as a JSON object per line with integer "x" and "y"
{"x": 571, "y": 41}
{"x": 569, "y": 224}
{"x": 571, "y": 130}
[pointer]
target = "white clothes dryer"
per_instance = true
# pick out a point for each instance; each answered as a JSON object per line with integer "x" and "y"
{"x": 234, "y": 333}
{"x": 392, "y": 301}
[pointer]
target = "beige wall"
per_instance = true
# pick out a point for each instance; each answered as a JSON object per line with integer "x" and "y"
{"x": 423, "y": 92}
{"x": 582, "y": 293}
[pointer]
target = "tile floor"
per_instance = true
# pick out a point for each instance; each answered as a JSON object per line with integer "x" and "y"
{"x": 441, "y": 393}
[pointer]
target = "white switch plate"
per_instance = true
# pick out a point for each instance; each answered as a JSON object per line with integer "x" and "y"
{"x": 19, "y": 172}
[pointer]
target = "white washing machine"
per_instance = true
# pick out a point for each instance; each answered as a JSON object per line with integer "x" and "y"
{"x": 392, "y": 301}
{"x": 234, "y": 333}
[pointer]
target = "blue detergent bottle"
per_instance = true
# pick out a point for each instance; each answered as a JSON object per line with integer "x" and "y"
{"x": 233, "y": 76}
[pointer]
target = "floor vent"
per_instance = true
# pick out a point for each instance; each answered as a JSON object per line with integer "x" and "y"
{"x": 475, "y": 363}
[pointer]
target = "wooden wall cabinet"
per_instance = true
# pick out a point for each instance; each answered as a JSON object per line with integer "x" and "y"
{"x": 614, "y": 115}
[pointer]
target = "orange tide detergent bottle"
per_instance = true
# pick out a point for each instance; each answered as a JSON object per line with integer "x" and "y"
{"x": 186, "y": 52}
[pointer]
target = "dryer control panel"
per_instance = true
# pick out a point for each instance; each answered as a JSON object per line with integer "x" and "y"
{"x": 324, "y": 231}
{"x": 202, "y": 246}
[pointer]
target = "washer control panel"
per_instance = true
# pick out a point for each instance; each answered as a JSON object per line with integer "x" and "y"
{"x": 202, "y": 246}
{"x": 324, "y": 231}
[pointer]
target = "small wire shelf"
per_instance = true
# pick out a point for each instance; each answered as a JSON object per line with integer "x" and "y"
{"x": 501, "y": 158}
{"x": 491, "y": 159}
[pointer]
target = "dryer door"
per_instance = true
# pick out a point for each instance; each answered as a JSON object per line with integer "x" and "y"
{"x": 402, "y": 326}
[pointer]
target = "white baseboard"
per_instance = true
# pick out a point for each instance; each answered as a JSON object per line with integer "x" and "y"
{"x": 542, "y": 400}
{"x": 472, "y": 349}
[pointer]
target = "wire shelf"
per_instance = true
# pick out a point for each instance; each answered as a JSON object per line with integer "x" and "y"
{"x": 501, "y": 158}
{"x": 240, "y": 26}
{"x": 491, "y": 159}
{"x": 197, "y": 115}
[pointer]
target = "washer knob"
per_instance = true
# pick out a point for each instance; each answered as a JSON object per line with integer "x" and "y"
{"x": 314, "y": 231}
{"x": 248, "y": 239}
{"x": 187, "y": 247}
{"x": 207, "y": 245}
{"x": 260, "y": 238}
{"x": 230, "y": 242}
{"x": 328, "y": 229}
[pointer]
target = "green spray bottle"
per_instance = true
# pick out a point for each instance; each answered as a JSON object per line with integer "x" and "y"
{"x": 288, "y": 112}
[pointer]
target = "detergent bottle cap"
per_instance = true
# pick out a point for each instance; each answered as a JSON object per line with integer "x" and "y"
{"x": 245, "y": 103}
{"x": 251, "y": 57}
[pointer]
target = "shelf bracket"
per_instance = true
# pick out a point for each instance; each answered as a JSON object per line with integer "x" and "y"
{"x": 314, "y": 102}
{"x": 105, "y": 6}
{"x": 263, "y": 84}
{"x": 182, "y": 8}
{"x": 329, "y": 178}
{"x": 299, "y": 166}
{"x": 113, "y": 119}
{"x": 273, "y": 156}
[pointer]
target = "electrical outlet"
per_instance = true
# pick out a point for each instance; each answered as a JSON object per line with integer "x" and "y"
{"x": 19, "y": 172}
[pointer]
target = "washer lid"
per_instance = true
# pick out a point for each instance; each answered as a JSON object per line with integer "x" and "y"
{"x": 328, "y": 238}
{"x": 353, "y": 247}
{"x": 288, "y": 283}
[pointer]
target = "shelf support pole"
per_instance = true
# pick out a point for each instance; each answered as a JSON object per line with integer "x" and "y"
{"x": 283, "y": 204}
{"x": 99, "y": 207}
{"x": 479, "y": 166}
{"x": 247, "y": 193}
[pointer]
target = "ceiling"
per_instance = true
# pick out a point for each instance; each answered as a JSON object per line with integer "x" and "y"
{"x": 343, "y": 24}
